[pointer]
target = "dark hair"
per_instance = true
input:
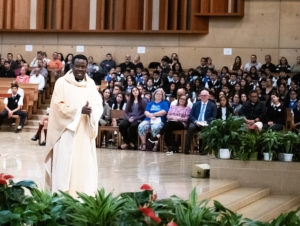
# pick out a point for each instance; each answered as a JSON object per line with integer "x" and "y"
{"x": 81, "y": 57}
{"x": 70, "y": 54}
{"x": 253, "y": 91}
{"x": 165, "y": 59}
{"x": 61, "y": 56}
{"x": 156, "y": 72}
{"x": 131, "y": 101}
{"x": 274, "y": 93}
{"x": 237, "y": 66}
{"x": 115, "y": 103}
{"x": 14, "y": 84}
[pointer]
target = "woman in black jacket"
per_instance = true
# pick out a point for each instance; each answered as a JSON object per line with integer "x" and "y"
{"x": 276, "y": 114}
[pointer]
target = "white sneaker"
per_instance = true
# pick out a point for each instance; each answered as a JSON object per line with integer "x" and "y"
{"x": 169, "y": 153}
{"x": 19, "y": 127}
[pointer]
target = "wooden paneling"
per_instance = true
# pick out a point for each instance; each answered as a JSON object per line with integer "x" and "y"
{"x": 175, "y": 16}
{"x": 134, "y": 14}
{"x": 1, "y": 14}
{"x": 82, "y": 12}
{"x": 40, "y": 14}
{"x": 109, "y": 14}
{"x": 59, "y": 14}
{"x": 67, "y": 14}
{"x": 163, "y": 14}
{"x": 218, "y": 6}
{"x": 172, "y": 15}
{"x": 8, "y": 14}
{"x": 205, "y": 6}
{"x": 48, "y": 12}
{"x": 119, "y": 14}
{"x": 148, "y": 15}
{"x": 198, "y": 23}
{"x": 21, "y": 14}
{"x": 100, "y": 14}
{"x": 182, "y": 14}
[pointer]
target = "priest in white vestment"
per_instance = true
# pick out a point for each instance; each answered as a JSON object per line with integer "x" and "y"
{"x": 75, "y": 109}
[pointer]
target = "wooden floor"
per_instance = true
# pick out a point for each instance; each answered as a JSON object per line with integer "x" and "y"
{"x": 119, "y": 171}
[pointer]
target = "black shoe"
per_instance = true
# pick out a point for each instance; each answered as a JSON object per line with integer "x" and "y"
{"x": 35, "y": 138}
{"x": 43, "y": 143}
{"x": 175, "y": 149}
{"x": 186, "y": 152}
{"x": 153, "y": 140}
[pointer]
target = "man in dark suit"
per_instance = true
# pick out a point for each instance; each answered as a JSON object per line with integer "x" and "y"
{"x": 202, "y": 113}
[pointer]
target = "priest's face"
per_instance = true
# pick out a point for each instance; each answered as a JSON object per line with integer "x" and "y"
{"x": 79, "y": 69}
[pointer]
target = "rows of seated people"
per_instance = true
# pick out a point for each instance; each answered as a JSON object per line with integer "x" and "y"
{"x": 167, "y": 97}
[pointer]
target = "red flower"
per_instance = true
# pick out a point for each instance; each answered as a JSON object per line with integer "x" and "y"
{"x": 4, "y": 177}
{"x": 172, "y": 224}
{"x": 2, "y": 181}
{"x": 149, "y": 213}
{"x": 146, "y": 187}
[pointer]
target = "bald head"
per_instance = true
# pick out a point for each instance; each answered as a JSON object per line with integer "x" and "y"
{"x": 181, "y": 92}
{"x": 204, "y": 96}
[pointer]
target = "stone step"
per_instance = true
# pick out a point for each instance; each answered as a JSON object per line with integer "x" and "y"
{"x": 269, "y": 207}
{"x": 44, "y": 106}
{"x": 32, "y": 122}
{"x": 27, "y": 128}
{"x": 41, "y": 111}
{"x": 217, "y": 189}
{"x": 238, "y": 198}
{"x": 36, "y": 117}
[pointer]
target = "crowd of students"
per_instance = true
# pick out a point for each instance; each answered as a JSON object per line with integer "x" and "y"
{"x": 162, "y": 97}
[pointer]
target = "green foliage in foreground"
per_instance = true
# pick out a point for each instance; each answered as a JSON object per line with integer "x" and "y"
{"x": 131, "y": 208}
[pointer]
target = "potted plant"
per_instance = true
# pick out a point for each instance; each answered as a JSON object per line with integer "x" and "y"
{"x": 221, "y": 137}
{"x": 270, "y": 142}
{"x": 289, "y": 140}
{"x": 248, "y": 148}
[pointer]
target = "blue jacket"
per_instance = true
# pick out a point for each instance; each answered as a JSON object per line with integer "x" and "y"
{"x": 210, "y": 112}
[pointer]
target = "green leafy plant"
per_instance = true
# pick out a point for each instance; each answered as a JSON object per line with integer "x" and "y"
{"x": 127, "y": 209}
{"x": 13, "y": 200}
{"x": 223, "y": 134}
{"x": 289, "y": 140}
{"x": 195, "y": 213}
{"x": 89, "y": 210}
{"x": 248, "y": 146}
{"x": 270, "y": 141}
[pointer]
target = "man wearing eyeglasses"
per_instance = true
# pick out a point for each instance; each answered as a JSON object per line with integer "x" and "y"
{"x": 202, "y": 113}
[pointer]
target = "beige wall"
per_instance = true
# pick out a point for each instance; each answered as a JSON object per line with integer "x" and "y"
{"x": 268, "y": 27}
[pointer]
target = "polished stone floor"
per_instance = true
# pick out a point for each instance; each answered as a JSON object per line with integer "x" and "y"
{"x": 119, "y": 171}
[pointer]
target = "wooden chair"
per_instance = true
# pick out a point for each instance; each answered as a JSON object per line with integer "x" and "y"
{"x": 114, "y": 114}
{"x": 177, "y": 134}
{"x": 289, "y": 122}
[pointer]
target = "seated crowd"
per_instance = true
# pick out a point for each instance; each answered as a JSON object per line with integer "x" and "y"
{"x": 164, "y": 97}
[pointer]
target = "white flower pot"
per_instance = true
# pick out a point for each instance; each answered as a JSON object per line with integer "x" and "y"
{"x": 224, "y": 153}
{"x": 267, "y": 156}
{"x": 287, "y": 157}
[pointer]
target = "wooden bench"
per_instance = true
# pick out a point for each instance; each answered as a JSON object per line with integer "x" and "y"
{"x": 2, "y": 107}
{"x": 28, "y": 99}
{"x": 114, "y": 114}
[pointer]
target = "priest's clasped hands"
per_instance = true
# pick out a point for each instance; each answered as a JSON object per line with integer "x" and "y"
{"x": 86, "y": 109}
